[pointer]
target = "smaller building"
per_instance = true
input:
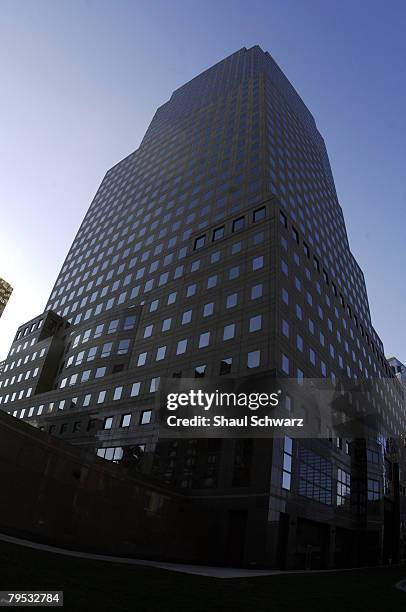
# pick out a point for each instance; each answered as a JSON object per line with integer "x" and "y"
{"x": 5, "y": 291}
{"x": 399, "y": 369}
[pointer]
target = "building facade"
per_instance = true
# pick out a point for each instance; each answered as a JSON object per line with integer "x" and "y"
{"x": 219, "y": 248}
{"x": 5, "y": 292}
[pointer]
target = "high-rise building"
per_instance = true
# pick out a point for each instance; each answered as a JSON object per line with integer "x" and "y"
{"x": 5, "y": 292}
{"x": 218, "y": 248}
{"x": 399, "y": 369}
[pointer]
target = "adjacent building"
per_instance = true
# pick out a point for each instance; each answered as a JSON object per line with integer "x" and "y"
{"x": 219, "y": 248}
{"x": 5, "y": 292}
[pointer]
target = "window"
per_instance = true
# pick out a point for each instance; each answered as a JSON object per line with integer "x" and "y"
{"x": 85, "y": 376}
{"x": 160, "y": 353}
{"x": 191, "y": 290}
{"x": 257, "y": 263}
{"x": 101, "y": 397}
{"x": 256, "y": 291}
{"x": 86, "y": 399}
{"x": 212, "y": 281}
{"x": 135, "y": 389}
{"x": 234, "y": 273}
{"x": 118, "y": 391}
{"x": 208, "y": 309}
{"x": 199, "y": 242}
{"x": 100, "y": 372}
{"x": 92, "y": 353}
{"x": 259, "y": 214}
{"x": 106, "y": 349}
{"x": 108, "y": 423}
{"x": 204, "y": 339}
{"x": 125, "y": 420}
{"x": 200, "y": 371}
{"x": 166, "y": 324}
{"x": 299, "y": 343}
{"x": 98, "y": 331}
{"x": 142, "y": 358}
{"x": 229, "y": 331}
{"x": 148, "y": 331}
{"x": 112, "y": 326}
{"x": 123, "y": 347}
{"x": 218, "y": 233}
{"x": 283, "y": 219}
{"x": 232, "y": 300}
{"x": 285, "y": 328}
{"x": 187, "y": 317}
{"x": 225, "y": 366}
{"x": 373, "y": 490}
{"x": 285, "y": 364}
{"x": 312, "y": 356}
{"x": 255, "y": 323}
{"x": 129, "y": 322}
{"x": 154, "y": 385}
{"x": 253, "y": 359}
{"x": 146, "y": 417}
{"x": 287, "y": 463}
{"x": 181, "y": 347}
{"x": 315, "y": 476}
{"x": 343, "y": 487}
{"x": 238, "y": 224}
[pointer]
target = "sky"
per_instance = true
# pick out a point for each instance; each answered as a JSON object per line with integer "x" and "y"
{"x": 81, "y": 80}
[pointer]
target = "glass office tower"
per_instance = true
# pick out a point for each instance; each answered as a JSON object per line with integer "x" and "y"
{"x": 217, "y": 248}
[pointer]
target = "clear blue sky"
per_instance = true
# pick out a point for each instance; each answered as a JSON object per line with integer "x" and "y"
{"x": 80, "y": 81}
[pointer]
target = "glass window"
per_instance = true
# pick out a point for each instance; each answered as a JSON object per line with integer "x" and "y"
{"x": 85, "y": 376}
{"x": 135, "y": 389}
{"x": 166, "y": 324}
{"x": 212, "y": 281}
{"x": 142, "y": 358}
{"x": 108, "y": 423}
{"x": 123, "y": 347}
{"x": 187, "y": 317}
{"x": 106, "y": 349}
{"x": 232, "y": 300}
{"x": 258, "y": 263}
{"x": 287, "y": 463}
{"x": 238, "y": 224}
{"x": 113, "y": 325}
{"x": 255, "y": 323}
{"x": 129, "y": 322}
{"x": 92, "y": 353}
{"x": 146, "y": 417}
{"x": 148, "y": 331}
{"x": 253, "y": 359}
{"x": 181, "y": 347}
{"x": 256, "y": 291}
{"x": 204, "y": 339}
{"x": 229, "y": 331}
{"x": 199, "y": 242}
{"x": 208, "y": 309}
{"x": 160, "y": 353}
{"x": 98, "y": 331}
{"x": 259, "y": 214}
{"x": 100, "y": 372}
{"x": 218, "y": 233}
{"x": 118, "y": 391}
{"x": 86, "y": 399}
{"x": 125, "y": 420}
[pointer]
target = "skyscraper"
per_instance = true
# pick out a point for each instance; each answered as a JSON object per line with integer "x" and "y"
{"x": 217, "y": 248}
{"x": 5, "y": 292}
